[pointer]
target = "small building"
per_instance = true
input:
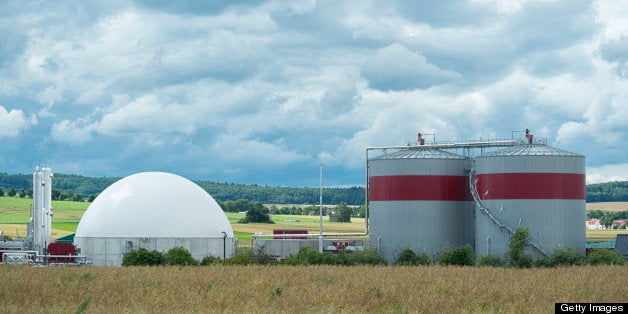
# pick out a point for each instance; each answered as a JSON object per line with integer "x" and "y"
{"x": 620, "y": 224}
{"x": 621, "y": 245}
{"x": 594, "y": 223}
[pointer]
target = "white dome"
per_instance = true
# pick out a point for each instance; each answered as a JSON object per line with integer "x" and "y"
{"x": 154, "y": 204}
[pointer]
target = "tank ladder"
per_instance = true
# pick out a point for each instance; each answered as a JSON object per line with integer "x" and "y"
{"x": 491, "y": 215}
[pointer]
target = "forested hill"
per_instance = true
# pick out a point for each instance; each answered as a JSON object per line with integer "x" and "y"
{"x": 608, "y": 192}
{"x": 85, "y": 186}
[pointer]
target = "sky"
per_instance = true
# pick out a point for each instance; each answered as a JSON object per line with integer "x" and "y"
{"x": 262, "y": 92}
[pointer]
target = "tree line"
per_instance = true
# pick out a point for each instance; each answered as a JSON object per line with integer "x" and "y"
{"x": 73, "y": 185}
{"x": 608, "y": 192}
{"x": 86, "y": 186}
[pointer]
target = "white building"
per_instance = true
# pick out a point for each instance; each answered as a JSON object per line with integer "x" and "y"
{"x": 156, "y": 211}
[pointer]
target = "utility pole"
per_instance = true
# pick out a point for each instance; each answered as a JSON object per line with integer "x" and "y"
{"x": 320, "y": 212}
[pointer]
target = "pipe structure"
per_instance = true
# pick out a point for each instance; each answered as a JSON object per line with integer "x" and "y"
{"x": 309, "y": 235}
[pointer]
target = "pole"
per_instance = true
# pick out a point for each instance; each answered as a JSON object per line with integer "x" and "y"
{"x": 320, "y": 212}
{"x": 224, "y": 245}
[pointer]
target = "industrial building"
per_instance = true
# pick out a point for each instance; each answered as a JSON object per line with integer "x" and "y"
{"x": 37, "y": 247}
{"x": 419, "y": 197}
{"x": 426, "y": 197}
{"x": 155, "y": 211}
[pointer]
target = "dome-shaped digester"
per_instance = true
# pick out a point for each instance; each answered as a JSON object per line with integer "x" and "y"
{"x": 533, "y": 186}
{"x": 156, "y": 211}
{"x": 419, "y": 198}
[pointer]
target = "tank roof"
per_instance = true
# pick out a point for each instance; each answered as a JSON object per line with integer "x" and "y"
{"x": 530, "y": 150}
{"x": 420, "y": 153}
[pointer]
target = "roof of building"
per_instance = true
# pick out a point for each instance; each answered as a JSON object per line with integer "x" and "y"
{"x": 531, "y": 150}
{"x": 621, "y": 244}
{"x": 154, "y": 204}
{"x": 420, "y": 153}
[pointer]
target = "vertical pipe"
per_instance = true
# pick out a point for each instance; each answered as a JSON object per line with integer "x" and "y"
{"x": 224, "y": 245}
{"x": 366, "y": 195}
{"x": 320, "y": 212}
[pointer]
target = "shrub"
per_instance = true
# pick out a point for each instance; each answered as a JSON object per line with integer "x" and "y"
{"x": 210, "y": 260}
{"x": 343, "y": 212}
{"x": 308, "y": 256}
{"x": 179, "y": 256}
{"x": 516, "y": 255}
{"x": 605, "y": 257}
{"x": 408, "y": 257}
{"x": 256, "y": 213}
{"x": 565, "y": 257}
{"x": 491, "y": 260}
{"x": 142, "y": 257}
{"x": 364, "y": 257}
{"x": 241, "y": 259}
{"x": 462, "y": 256}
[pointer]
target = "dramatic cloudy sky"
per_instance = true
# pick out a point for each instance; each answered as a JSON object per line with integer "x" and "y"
{"x": 263, "y": 91}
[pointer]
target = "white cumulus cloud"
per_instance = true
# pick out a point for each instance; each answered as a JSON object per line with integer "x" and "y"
{"x": 12, "y": 122}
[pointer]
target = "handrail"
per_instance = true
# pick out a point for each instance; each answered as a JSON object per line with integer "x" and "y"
{"x": 486, "y": 210}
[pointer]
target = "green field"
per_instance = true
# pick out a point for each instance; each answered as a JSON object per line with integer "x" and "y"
{"x": 15, "y": 214}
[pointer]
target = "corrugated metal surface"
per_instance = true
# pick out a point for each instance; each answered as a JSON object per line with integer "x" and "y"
{"x": 533, "y": 186}
{"x": 424, "y": 226}
{"x": 419, "y": 198}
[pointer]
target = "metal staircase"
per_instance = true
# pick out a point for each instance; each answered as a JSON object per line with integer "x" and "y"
{"x": 488, "y": 212}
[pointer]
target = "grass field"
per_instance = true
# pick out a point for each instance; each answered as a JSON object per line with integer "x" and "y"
{"x": 603, "y": 235}
{"x": 290, "y": 289}
{"x": 608, "y": 206}
{"x": 15, "y": 214}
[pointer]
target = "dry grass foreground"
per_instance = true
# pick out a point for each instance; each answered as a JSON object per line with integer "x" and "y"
{"x": 328, "y": 289}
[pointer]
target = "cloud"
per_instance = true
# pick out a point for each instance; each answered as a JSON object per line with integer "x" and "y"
{"x": 71, "y": 132}
{"x": 396, "y": 68}
{"x": 12, "y": 122}
{"x": 266, "y": 154}
{"x": 616, "y": 52}
{"x": 147, "y": 114}
{"x": 259, "y": 91}
{"x": 607, "y": 173}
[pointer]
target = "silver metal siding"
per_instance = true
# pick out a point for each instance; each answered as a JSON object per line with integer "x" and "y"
{"x": 553, "y": 223}
{"x": 391, "y": 167}
{"x": 530, "y": 164}
{"x": 424, "y": 226}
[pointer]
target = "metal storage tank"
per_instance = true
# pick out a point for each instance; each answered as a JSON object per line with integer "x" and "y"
{"x": 419, "y": 197}
{"x": 534, "y": 186}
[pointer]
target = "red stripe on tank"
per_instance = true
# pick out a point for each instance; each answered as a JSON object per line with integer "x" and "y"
{"x": 419, "y": 188}
{"x": 497, "y": 186}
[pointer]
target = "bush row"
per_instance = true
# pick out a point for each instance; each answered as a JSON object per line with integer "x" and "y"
{"x": 462, "y": 256}
{"x": 179, "y": 256}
